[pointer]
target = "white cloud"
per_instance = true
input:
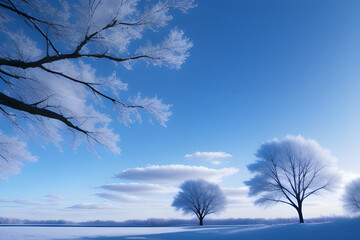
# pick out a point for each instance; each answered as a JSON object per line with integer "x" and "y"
{"x": 215, "y": 162}
{"x": 242, "y": 191}
{"x": 119, "y": 197}
{"x": 21, "y": 202}
{"x": 26, "y": 202}
{"x": 213, "y": 157}
{"x": 238, "y": 197}
{"x": 139, "y": 188}
{"x": 54, "y": 196}
{"x": 175, "y": 173}
{"x": 90, "y": 206}
{"x": 348, "y": 176}
{"x": 239, "y": 202}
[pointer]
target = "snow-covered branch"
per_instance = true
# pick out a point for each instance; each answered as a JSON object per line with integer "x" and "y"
{"x": 48, "y": 64}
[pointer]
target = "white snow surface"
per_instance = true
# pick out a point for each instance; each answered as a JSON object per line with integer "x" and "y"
{"x": 342, "y": 229}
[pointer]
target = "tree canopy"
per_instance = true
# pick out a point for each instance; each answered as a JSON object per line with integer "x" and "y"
{"x": 199, "y": 197}
{"x": 289, "y": 171}
{"x": 351, "y": 196}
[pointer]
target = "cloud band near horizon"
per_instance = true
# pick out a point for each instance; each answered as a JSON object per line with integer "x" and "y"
{"x": 175, "y": 173}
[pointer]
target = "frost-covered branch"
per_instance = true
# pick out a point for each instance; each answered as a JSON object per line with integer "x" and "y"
{"x": 12, "y": 153}
{"x": 48, "y": 64}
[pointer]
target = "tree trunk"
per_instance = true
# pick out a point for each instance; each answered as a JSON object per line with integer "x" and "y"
{"x": 301, "y": 218}
{"x": 201, "y": 221}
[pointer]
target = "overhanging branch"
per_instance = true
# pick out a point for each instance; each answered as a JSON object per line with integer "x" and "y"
{"x": 74, "y": 55}
{"x": 30, "y": 108}
{"x": 90, "y": 85}
{"x": 22, "y": 13}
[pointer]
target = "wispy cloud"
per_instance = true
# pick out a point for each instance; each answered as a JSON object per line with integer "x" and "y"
{"x": 21, "y": 202}
{"x": 119, "y": 197}
{"x": 54, "y": 197}
{"x": 240, "y": 202}
{"x": 90, "y": 206}
{"x": 242, "y": 191}
{"x": 175, "y": 173}
{"x": 214, "y": 157}
{"x": 238, "y": 197}
{"x": 26, "y": 202}
{"x": 139, "y": 188}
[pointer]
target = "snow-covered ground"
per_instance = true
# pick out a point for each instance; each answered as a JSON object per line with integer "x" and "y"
{"x": 339, "y": 230}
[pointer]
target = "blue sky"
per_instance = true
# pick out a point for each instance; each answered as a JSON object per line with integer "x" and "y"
{"x": 257, "y": 70}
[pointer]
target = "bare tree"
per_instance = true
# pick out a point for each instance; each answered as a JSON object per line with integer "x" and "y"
{"x": 199, "y": 197}
{"x": 289, "y": 171}
{"x": 50, "y": 52}
{"x": 351, "y": 196}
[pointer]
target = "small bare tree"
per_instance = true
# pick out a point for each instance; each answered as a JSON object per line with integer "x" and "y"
{"x": 289, "y": 171}
{"x": 199, "y": 197}
{"x": 351, "y": 196}
{"x": 50, "y": 52}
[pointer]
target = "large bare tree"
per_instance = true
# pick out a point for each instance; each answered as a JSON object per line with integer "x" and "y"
{"x": 52, "y": 56}
{"x": 291, "y": 170}
{"x": 199, "y": 197}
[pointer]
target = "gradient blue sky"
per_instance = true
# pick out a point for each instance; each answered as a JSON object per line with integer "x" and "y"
{"x": 258, "y": 69}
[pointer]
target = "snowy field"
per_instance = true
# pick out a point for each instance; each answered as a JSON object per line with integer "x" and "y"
{"x": 342, "y": 230}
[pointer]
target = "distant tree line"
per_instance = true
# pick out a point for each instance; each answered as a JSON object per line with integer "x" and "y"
{"x": 165, "y": 222}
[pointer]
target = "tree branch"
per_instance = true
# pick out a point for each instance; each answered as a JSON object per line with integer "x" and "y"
{"x": 29, "y": 108}
{"x": 89, "y": 85}
{"x": 32, "y": 21}
{"x": 280, "y": 201}
{"x": 22, "y": 13}
{"x": 74, "y": 55}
